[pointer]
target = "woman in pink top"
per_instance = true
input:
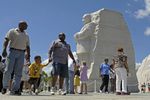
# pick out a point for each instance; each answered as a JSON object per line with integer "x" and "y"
{"x": 83, "y": 76}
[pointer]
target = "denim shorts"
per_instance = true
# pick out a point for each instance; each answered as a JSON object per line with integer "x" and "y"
{"x": 60, "y": 70}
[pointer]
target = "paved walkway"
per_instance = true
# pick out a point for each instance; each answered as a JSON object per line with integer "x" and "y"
{"x": 90, "y": 96}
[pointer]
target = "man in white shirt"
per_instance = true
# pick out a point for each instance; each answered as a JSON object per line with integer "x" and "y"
{"x": 18, "y": 41}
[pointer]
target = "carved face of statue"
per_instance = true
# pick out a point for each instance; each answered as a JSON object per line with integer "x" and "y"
{"x": 95, "y": 18}
{"x": 86, "y": 18}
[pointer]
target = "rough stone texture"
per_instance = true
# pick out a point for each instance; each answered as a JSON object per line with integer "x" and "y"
{"x": 103, "y": 32}
{"x": 143, "y": 73}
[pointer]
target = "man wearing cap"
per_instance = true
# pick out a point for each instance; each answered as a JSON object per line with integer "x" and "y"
{"x": 18, "y": 41}
{"x": 58, "y": 53}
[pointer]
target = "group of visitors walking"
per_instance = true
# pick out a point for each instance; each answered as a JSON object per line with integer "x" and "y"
{"x": 20, "y": 70}
{"x": 117, "y": 72}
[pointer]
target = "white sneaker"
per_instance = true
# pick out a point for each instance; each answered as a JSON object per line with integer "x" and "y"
{"x": 32, "y": 88}
{"x": 100, "y": 91}
{"x": 30, "y": 93}
{"x": 60, "y": 92}
{"x": 36, "y": 91}
{"x": 64, "y": 93}
{"x": 107, "y": 92}
{"x": 52, "y": 91}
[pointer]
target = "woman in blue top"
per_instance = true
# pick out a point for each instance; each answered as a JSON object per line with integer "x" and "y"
{"x": 104, "y": 73}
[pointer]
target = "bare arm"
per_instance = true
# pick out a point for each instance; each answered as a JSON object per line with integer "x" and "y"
{"x": 28, "y": 53}
{"x": 71, "y": 55}
{"x": 126, "y": 66}
{"x": 51, "y": 51}
{"x": 5, "y": 44}
{"x": 113, "y": 62}
{"x": 47, "y": 63}
{"x": 111, "y": 70}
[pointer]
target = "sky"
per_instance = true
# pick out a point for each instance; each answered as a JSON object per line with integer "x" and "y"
{"x": 47, "y": 18}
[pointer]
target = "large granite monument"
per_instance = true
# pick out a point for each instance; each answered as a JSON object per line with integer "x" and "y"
{"x": 103, "y": 32}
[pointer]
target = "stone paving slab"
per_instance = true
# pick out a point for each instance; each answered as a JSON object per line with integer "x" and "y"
{"x": 90, "y": 96}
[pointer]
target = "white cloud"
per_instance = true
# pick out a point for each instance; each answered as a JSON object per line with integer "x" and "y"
{"x": 147, "y": 31}
{"x": 141, "y": 13}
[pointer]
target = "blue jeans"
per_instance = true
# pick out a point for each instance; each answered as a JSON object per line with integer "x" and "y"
{"x": 66, "y": 85}
{"x": 15, "y": 62}
{"x": 71, "y": 81}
